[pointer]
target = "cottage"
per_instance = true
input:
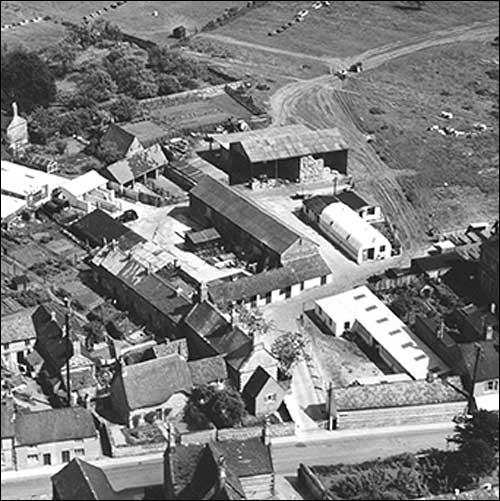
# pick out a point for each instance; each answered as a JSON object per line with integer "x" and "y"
{"x": 15, "y": 130}
{"x": 298, "y": 155}
{"x": 88, "y": 192}
{"x": 139, "y": 167}
{"x": 345, "y": 228}
{"x": 155, "y": 389}
{"x": 249, "y": 229}
{"x": 54, "y": 437}
{"x": 233, "y": 469}
{"x": 360, "y": 311}
{"x": 80, "y": 480}
{"x": 262, "y": 394}
{"x": 18, "y": 339}
{"x": 398, "y": 403}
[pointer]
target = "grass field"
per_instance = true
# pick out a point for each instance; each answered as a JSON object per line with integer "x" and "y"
{"x": 349, "y": 27}
{"x": 454, "y": 178}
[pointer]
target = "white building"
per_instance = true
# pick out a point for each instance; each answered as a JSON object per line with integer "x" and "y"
{"x": 88, "y": 192}
{"x": 365, "y": 210}
{"x": 361, "y": 312}
{"x": 15, "y": 129}
{"x": 346, "y": 229}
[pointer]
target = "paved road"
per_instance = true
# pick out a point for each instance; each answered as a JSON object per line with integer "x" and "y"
{"x": 288, "y": 453}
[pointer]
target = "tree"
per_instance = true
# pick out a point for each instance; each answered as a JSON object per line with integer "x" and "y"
{"x": 288, "y": 349}
{"x": 96, "y": 84}
{"x": 168, "y": 84}
{"x": 482, "y": 425}
{"x": 60, "y": 58}
{"x": 26, "y": 79}
{"x": 478, "y": 458}
{"x": 95, "y": 333}
{"x": 124, "y": 109}
{"x": 252, "y": 320}
{"x": 206, "y": 404}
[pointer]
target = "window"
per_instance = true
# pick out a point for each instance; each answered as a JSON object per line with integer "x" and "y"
{"x": 382, "y": 320}
{"x": 371, "y": 308}
{"x": 420, "y": 357}
{"x": 268, "y": 298}
{"x": 492, "y": 385}
{"x": 159, "y": 414}
{"x": 323, "y": 280}
{"x": 271, "y": 397}
{"x": 65, "y": 456}
{"x": 27, "y": 342}
{"x": 360, "y": 296}
{"x": 382, "y": 248}
{"x": 6, "y": 346}
{"x": 32, "y": 458}
{"x": 407, "y": 345}
{"x": 47, "y": 459}
{"x": 302, "y": 286}
{"x": 370, "y": 211}
{"x": 347, "y": 326}
{"x": 395, "y": 331}
{"x": 79, "y": 452}
{"x": 371, "y": 253}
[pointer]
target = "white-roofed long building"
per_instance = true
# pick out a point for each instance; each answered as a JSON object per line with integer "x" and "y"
{"x": 345, "y": 228}
{"x": 362, "y": 312}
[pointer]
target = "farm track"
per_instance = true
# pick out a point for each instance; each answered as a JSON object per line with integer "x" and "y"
{"x": 316, "y": 103}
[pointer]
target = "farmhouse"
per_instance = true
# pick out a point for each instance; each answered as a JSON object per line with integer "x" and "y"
{"x": 54, "y": 437}
{"x": 146, "y": 164}
{"x": 398, "y": 403}
{"x": 88, "y": 192}
{"x": 14, "y": 129}
{"x": 296, "y": 153}
{"x": 253, "y": 232}
{"x": 232, "y": 469}
{"x": 345, "y": 228}
{"x": 362, "y": 313}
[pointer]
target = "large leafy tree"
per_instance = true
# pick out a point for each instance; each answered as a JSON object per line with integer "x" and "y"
{"x": 26, "y": 79}
{"x": 288, "y": 349}
{"x": 96, "y": 83}
{"x": 482, "y": 425}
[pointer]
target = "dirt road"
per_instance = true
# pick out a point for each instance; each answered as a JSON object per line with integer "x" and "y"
{"x": 316, "y": 103}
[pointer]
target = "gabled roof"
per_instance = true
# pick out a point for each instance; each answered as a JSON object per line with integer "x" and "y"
{"x": 275, "y": 147}
{"x": 203, "y": 236}
{"x": 81, "y": 185}
{"x": 245, "y": 214}
{"x": 398, "y": 394}
{"x": 80, "y": 480}
{"x": 352, "y": 200}
{"x": 18, "y": 326}
{"x": 256, "y": 382}
{"x": 153, "y": 382}
{"x": 205, "y": 319}
{"x": 300, "y": 270}
{"x": 488, "y": 365}
{"x": 208, "y": 370}
{"x": 54, "y": 425}
{"x": 119, "y": 137}
{"x": 146, "y": 132}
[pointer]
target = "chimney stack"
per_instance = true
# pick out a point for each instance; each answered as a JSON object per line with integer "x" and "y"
{"x": 266, "y": 435}
{"x": 222, "y": 474}
{"x": 203, "y": 292}
{"x": 15, "y": 112}
{"x": 53, "y": 317}
{"x": 493, "y": 308}
{"x": 488, "y": 333}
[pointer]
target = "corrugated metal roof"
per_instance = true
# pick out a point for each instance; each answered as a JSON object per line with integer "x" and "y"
{"x": 262, "y": 149}
{"x": 246, "y": 215}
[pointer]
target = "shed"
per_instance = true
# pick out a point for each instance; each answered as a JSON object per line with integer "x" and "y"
{"x": 203, "y": 238}
{"x": 179, "y": 32}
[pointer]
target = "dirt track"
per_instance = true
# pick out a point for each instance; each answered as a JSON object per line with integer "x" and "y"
{"x": 315, "y": 102}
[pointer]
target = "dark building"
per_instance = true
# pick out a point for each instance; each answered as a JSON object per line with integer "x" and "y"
{"x": 80, "y": 480}
{"x": 282, "y": 156}
{"x": 251, "y": 231}
{"x": 488, "y": 274}
{"x": 262, "y": 394}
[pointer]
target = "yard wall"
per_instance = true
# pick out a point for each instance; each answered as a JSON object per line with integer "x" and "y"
{"x": 310, "y": 483}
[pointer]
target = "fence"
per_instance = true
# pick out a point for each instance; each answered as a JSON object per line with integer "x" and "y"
{"x": 310, "y": 483}
{"x": 138, "y": 196}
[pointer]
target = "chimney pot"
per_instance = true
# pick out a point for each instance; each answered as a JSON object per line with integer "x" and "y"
{"x": 493, "y": 308}
{"x": 15, "y": 112}
{"x": 53, "y": 316}
{"x": 222, "y": 472}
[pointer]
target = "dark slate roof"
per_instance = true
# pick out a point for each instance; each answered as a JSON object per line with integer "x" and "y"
{"x": 205, "y": 319}
{"x": 8, "y": 428}
{"x": 207, "y": 370}
{"x": 488, "y": 365}
{"x": 119, "y": 137}
{"x": 99, "y": 226}
{"x": 79, "y": 480}
{"x": 245, "y": 214}
{"x": 146, "y": 132}
{"x": 255, "y": 384}
{"x": 54, "y": 425}
{"x": 155, "y": 381}
{"x": 437, "y": 262}
{"x": 18, "y": 326}
{"x": 295, "y": 272}
{"x": 318, "y": 203}
{"x": 398, "y": 394}
{"x": 185, "y": 461}
{"x": 245, "y": 458}
{"x": 203, "y": 236}
{"x": 352, "y": 199}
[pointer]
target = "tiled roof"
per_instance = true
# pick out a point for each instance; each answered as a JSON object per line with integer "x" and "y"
{"x": 54, "y": 425}
{"x": 300, "y": 270}
{"x": 118, "y": 137}
{"x": 208, "y": 370}
{"x": 245, "y": 214}
{"x": 262, "y": 149}
{"x": 155, "y": 381}
{"x": 256, "y": 382}
{"x": 205, "y": 319}
{"x": 398, "y": 394}
{"x": 488, "y": 365}
{"x": 80, "y": 480}
{"x": 184, "y": 461}
{"x": 8, "y": 428}
{"x": 18, "y": 326}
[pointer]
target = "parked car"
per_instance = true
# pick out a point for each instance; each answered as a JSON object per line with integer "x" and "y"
{"x": 317, "y": 5}
{"x": 128, "y": 215}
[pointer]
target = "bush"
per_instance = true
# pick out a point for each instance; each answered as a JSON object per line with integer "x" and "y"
{"x": 124, "y": 109}
{"x": 168, "y": 84}
{"x": 376, "y": 111}
{"x": 96, "y": 84}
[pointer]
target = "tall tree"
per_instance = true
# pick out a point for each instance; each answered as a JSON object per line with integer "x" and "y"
{"x": 26, "y": 79}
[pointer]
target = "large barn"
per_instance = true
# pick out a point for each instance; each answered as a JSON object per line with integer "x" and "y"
{"x": 291, "y": 152}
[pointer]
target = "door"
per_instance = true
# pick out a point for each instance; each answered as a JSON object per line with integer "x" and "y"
{"x": 47, "y": 459}
{"x": 371, "y": 253}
